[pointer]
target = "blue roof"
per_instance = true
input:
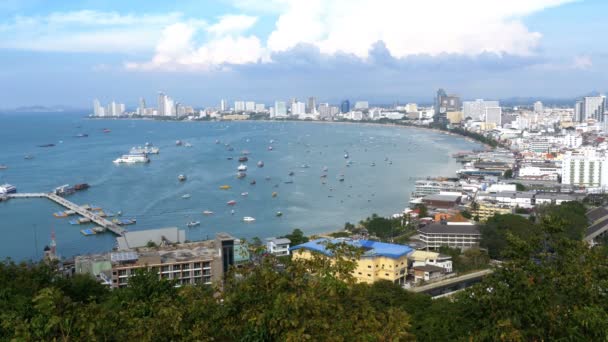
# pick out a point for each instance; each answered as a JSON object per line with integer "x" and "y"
{"x": 373, "y": 248}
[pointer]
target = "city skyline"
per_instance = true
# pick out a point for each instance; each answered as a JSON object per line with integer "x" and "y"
{"x": 68, "y": 53}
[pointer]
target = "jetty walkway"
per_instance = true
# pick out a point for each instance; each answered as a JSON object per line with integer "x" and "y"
{"x": 102, "y": 222}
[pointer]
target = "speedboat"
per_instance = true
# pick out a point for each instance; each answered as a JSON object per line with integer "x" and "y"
{"x": 181, "y": 178}
{"x": 146, "y": 149}
{"x": 207, "y": 212}
{"x": 242, "y": 167}
{"x": 105, "y": 130}
{"x": 244, "y": 194}
{"x": 248, "y": 219}
{"x": 260, "y": 164}
{"x": 304, "y": 166}
{"x": 279, "y": 214}
{"x": 241, "y": 175}
{"x": 178, "y": 143}
{"x": 269, "y": 148}
{"x": 186, "y": 196}
{"x": 193, "y": 224}
{"x": 252, "y": 182}
{"x": 28, "y": 157}
{"x": 231, "y": 202}
{"x": 225, "y": 187}
{"x": 187, "y": 145}
{"x": 325, "y": 169}
{"x": 373, "y": 164}
{"x": 271, "y": 141}
{"x": 132, "y": 159}
{"x": 243, "y": 159}
{"x": 81, "y": 135}
{"x": 217, "y": 141}
{"x": 7, "y": 189}
{"x": 346, "y": 156}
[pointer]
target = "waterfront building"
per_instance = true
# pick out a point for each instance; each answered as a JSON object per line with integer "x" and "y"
{"x": 379, "y": 261}
{"x": 280, "y": 109}
{"x": 360, "y": 105}
{"x": 223, "y": 105}
{"x": 278, "y": 246}
{"x": 311, "y": 107}
{"x": 250, "y": 106}
{"x": 166, "y": 105}
{"x": 455, "y": 235}
{"x": 141, "y": 110}
{"x": 445, "y": 103}
{"x": 454, "y": 117}
{"x": 239, "y": 106}
{"x": 345, "y": 106}
{"x": 260, "y": 107}
{"x": 476, "y": 110}
{"x": 431, "y": 187}
{"x": 522, "y": 199}
{"x": 411, "y": 108}
{"x": 494, "y": 116}
{"x": 298, "y": 108}
{"x": 98, "y": 109}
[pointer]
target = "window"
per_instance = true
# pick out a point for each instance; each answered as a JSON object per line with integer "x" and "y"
{"x": 206, "y": 264}
{"x": 386, "y": 274}
{"x": 369, "y": 275}
{"x": 369, "y": 266}
{"x": 176, "y": 267}
{"x": 165, "y": 269}
{"x": 197, "y": 265}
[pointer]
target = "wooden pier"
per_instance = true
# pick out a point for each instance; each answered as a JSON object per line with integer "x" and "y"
{"x": 102, "y": 222}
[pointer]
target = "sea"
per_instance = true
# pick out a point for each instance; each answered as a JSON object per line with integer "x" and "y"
{"x": 378, "y": 176}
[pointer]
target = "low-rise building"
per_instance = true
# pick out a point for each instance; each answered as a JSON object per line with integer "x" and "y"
{"x": 379, "y": 261}
{"x": 486, "y": 209}
{"x": 458, "y": 235}
{"x": 427, "y": 272}
{"x": 441, "y": 201}
{"x": 422, "y": 258}
{"x": 278, "y": 246}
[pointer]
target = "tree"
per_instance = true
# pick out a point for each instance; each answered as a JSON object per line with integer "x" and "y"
{"x": 508, "y": 174}
{"x": 423, "y": 210}
{"x": 497, "y": 228}
{"x": 296, "y": 237}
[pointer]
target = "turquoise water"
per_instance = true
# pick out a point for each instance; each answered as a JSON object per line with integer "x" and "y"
{"x": 152, "y": 194}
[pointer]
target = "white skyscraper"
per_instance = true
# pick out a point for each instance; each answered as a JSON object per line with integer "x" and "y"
{"x": 162, "y": 100}
{"x": 476, "y": 110}
{"x": 280, "y": 109}
{"x": 260, "y": 107}
{"x": 250, "y": 106}
{"x": 121, "y": 109}
{"x": 298, "y": 108}
{"x": 97, "y": 108}
{"x": 223, "y": 105}
{"x": 141, "y": 110}
{"x": 361, "y": 105}
{"x": 593, "y": 108}
{"x": 538, "y": 107}
{"x": 494, "y": 115}
{"x": 239, "y": 106}
{"x": 589, "y": 171}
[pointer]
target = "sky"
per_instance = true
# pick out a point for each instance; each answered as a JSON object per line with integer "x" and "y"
{"x": 69, "y": 52}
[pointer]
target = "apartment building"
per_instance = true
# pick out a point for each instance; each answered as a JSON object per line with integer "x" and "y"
{"x": 379, "y": 261}
{"x": 457, "y": 235}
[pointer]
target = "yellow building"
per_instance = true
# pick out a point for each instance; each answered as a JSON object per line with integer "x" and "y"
{"x": 455, "y": 117}
{"x": 379, "y": 261}
{"x": 486, "y": 209}
{"x": 235, "y": 117}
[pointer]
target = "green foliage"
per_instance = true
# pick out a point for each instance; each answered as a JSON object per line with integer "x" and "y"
{"x": 340, "y": 234}
{"x": 469, "y": 260}
{"x": 466, "y": 214}
{"x": 497, "y": 228}
{"x": 508, "y": 174}
{"x": 520, "y": 187}
{"x": 424, "y": 211}
{"x": 570, "y": 215}
{"x": 382, "y": 227}
{"x": 296, "y": 237}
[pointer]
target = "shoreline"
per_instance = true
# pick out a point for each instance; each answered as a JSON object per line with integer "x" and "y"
{"x": 364, "y": 123}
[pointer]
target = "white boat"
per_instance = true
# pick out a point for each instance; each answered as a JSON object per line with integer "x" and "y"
{"x": 187, "y": 145}
{"x": 7, "y": 189}
{"x": 132, "y": 159}
{"x": 269, "y": 148}
{"x": 181, "y": 178}
{"x": 207, "y": 212}
{"x": 186, "y": 196}
{"x": 248, "y": 219}
{"x": 242, "y": 167}
{"x": 244, "y": 194}
{"x": 346, "y": 156}
{"x": 260, "y": 164}
{"x": 3, "y": 167}
{"x": 178, "y": 143}
{"x": 145, "y": 149}
{"x": 193, "y": 224}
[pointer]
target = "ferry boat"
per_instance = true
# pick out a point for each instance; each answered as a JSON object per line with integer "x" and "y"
{"x": 7, "y": 189}
{"x": 231, "y": 202}
{"x": 132, "y": 159}
{"x": 260, "y": 164}
{"x": 193, "y": 224}
{"x": 181, "y": 178}
{"x": 248, "y": 219}
{"x": 225, "y": 187}
{"x": 243, "y": 159}
{"x": 145, "y": 149}
{"x": 242, "y": 167}
{"x": 64, "y": 190}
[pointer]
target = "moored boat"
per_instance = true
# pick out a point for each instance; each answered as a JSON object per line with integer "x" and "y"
{"x": 242, "y": 167}
{"x": 181, "y": 178}
{"x": 132, "y": 159}
{"x": 260, "y": 164}
{"x": 225, "y": 187}
{"x": 243, "y": 159}
{"x": 248, "y": 219}
{"x": 207, "y": 212}
{"x": 193, "y": 224}
{"x": 231, "y": 202}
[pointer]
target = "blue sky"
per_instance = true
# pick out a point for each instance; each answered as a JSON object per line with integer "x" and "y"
{"x": 385, "y": 51}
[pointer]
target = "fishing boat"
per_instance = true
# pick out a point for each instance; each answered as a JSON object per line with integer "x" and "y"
{"x": 244, "y": 194}
{"x": 241, "y": 175}
{"x": 105, "y": 130}
{"x": 279, "y": 214}
{"x": 274, "y": 194}
{"x": 242, "y": 167}
{"x": 291, "y": 173}
{"x": 181, "y": 178}
{"x": 248, "y": 219}
{"x": 186, "y": 196}
{"x": 207, "y": 212}
{"x": 269, "y": 148}
{"x": 346, "y": 156}
{"x": 178, "y": 143}
{"x": 193, "y": 224}
{"x": 252, "y": 182}
{"x": 225, "y": 187}
{"x": 187, "y": 145}
{"x": 3, "y": 167}
{"x": 231, "y": 202}
{"x": 243, "y": 159}
{"x": 260, "y": 164}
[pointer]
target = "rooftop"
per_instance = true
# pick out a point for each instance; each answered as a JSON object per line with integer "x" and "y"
{"x": 438, "y": 228}
{"x": 596, "y": 214}
{"x": 372, "y": 248}
{"x": 444, "y": 198}
{"x": 136, "y": 239}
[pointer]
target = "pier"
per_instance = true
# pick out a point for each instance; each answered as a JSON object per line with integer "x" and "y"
{"x": 102, "y": 222}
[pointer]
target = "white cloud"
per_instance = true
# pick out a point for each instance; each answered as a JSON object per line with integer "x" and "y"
{"x": 232, "y": 24}
{"x": 87, "y": 31}
{"x": 582, "y": 62}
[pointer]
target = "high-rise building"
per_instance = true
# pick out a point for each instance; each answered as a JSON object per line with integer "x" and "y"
{"x": 141, "y": 109}
{"x": 298, "y": 108}
{"x": 327, "y": 112}
{"x": 345, "y": 106}
{"x": 590, "y": 171}
{"x": 260, "y": 107}
{"x": 476, "y": 110}
{"x": 165, "y": 104}
{"x": 538, "y": 107}
{"x": 361, "y": 105}
{"x": 98, "y": 110}
{"x": 312, "y": 105}
{"x": 170, "y": 109}
{"x": 250, "y": 106}
{"x": 445, "y": 103}
{"x": 494, "y": 115}
{"x": 239, "y": 106}
{"x": 411, "y": 108}
{"x": 593, "y": 107}
{"x": 223, "y": 105}
{"x": 578, "y": 111}
{"x": 280, "y": 109}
